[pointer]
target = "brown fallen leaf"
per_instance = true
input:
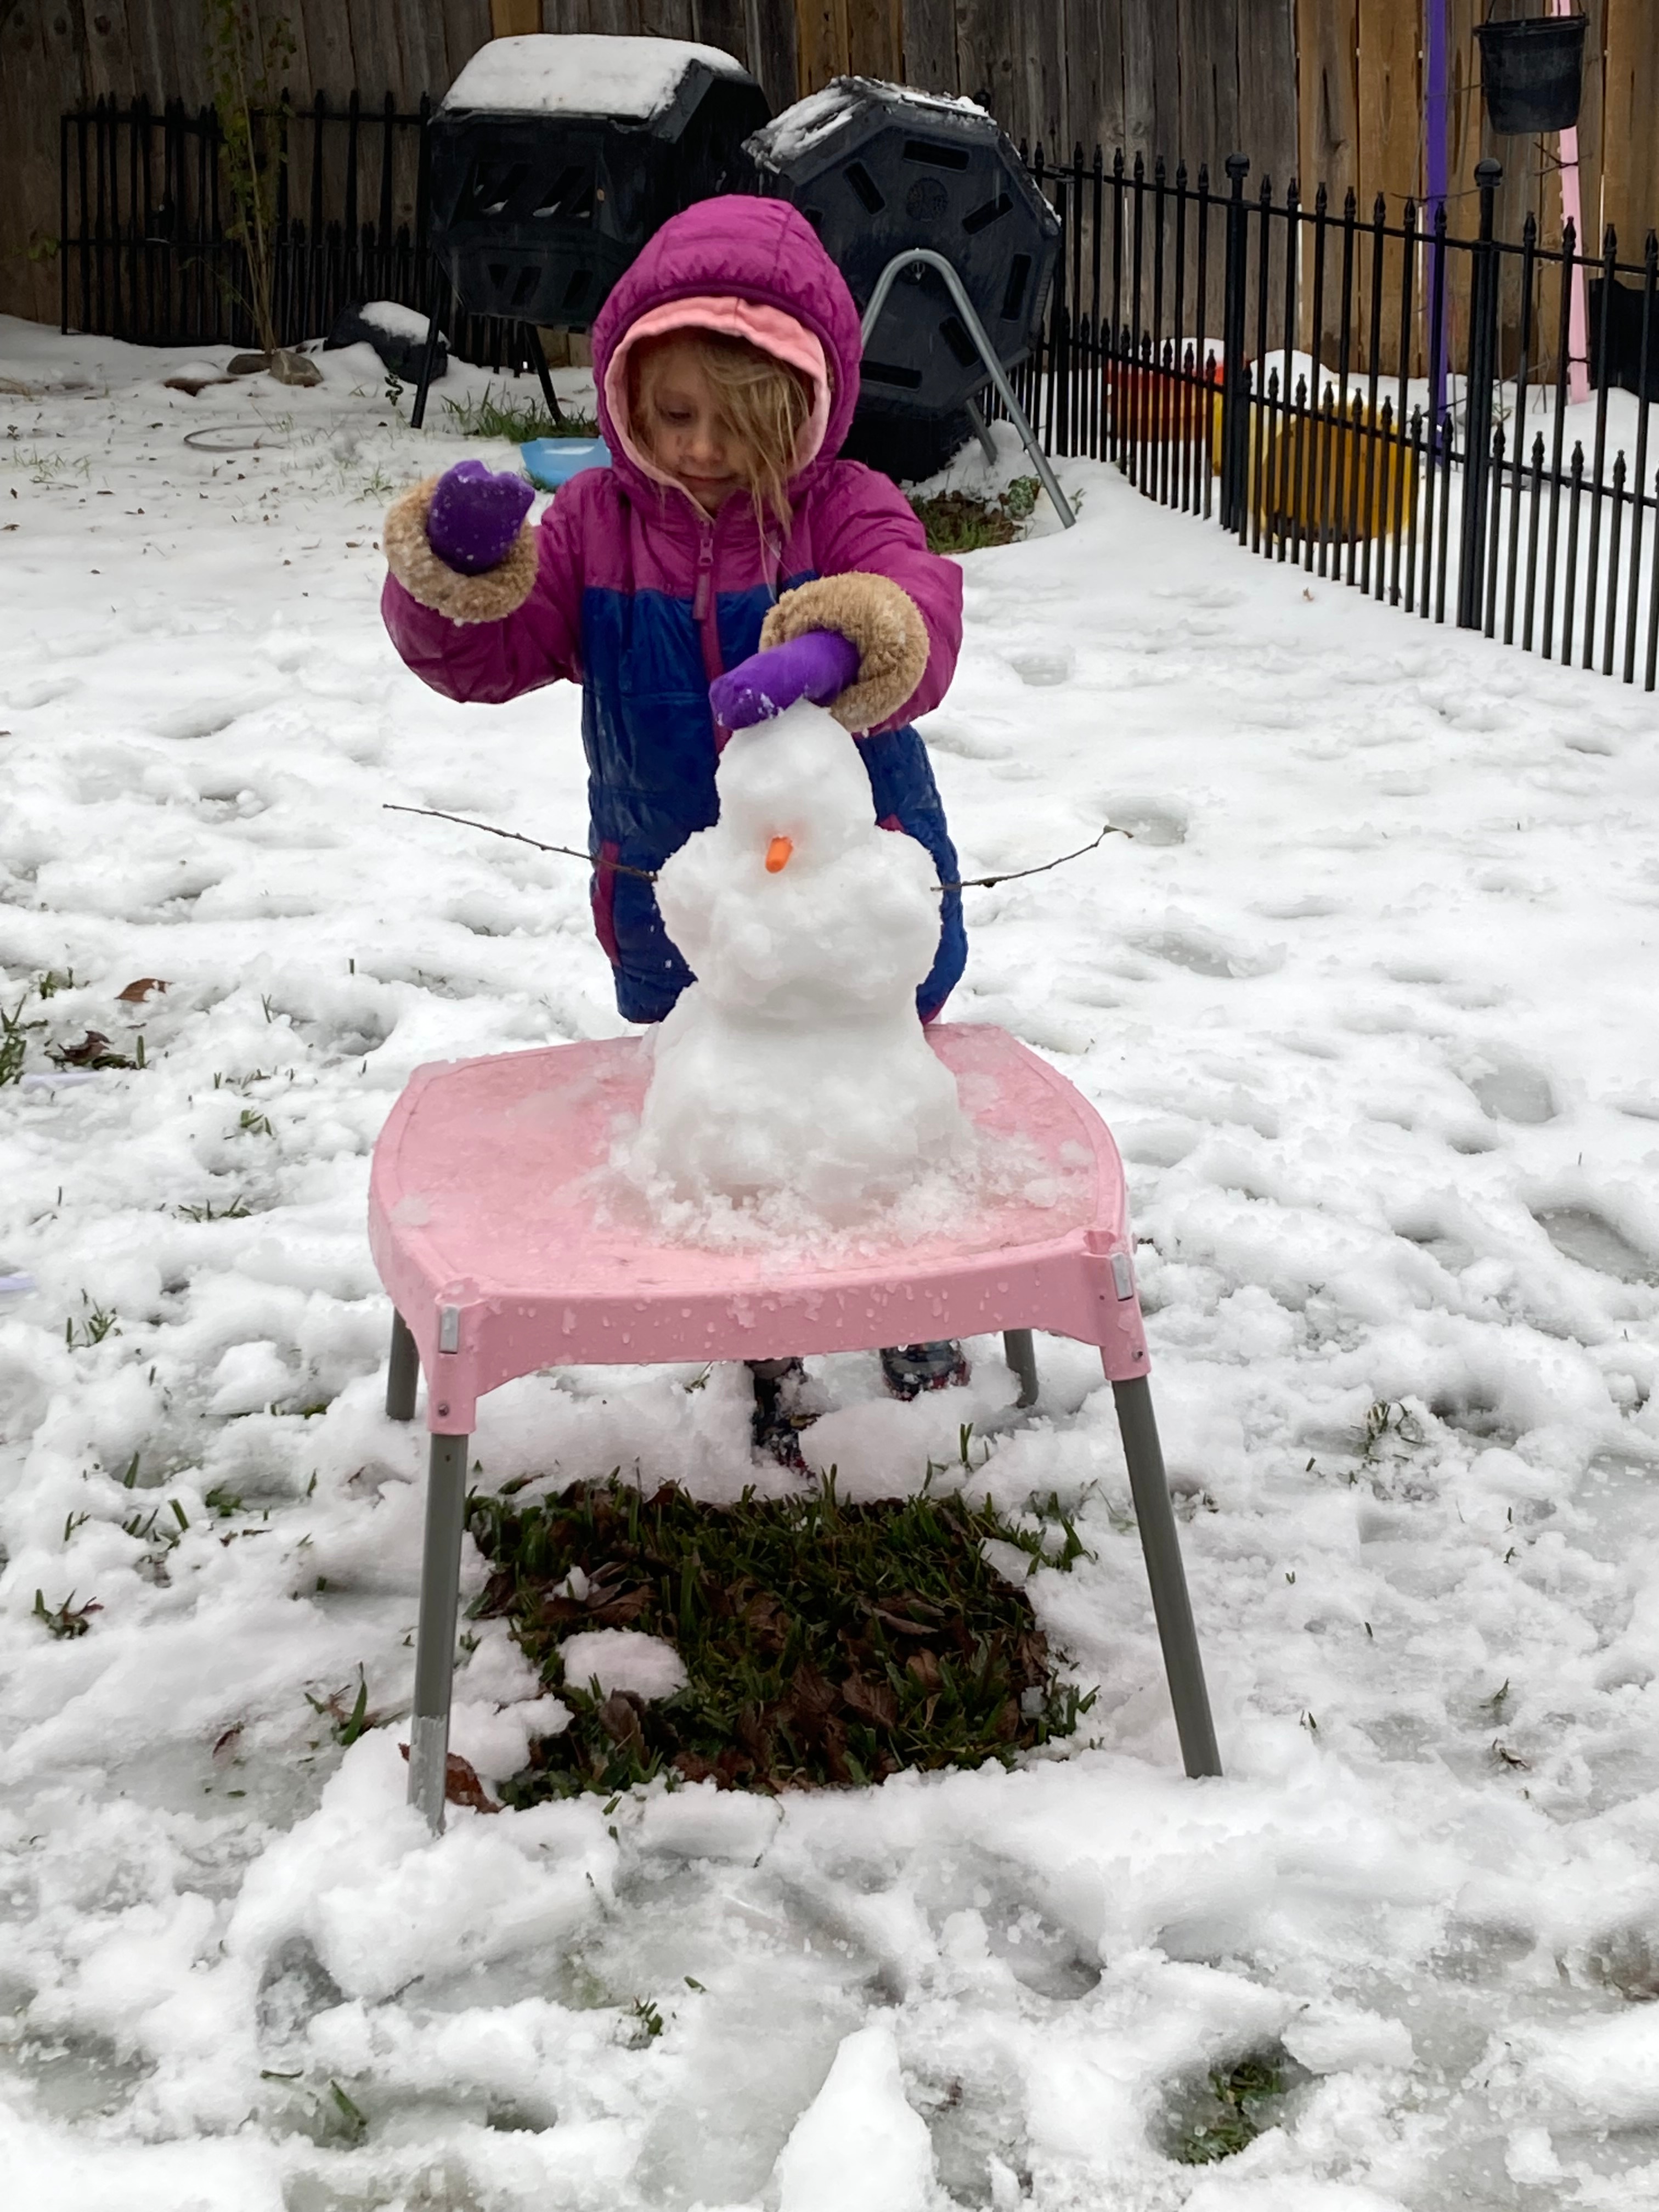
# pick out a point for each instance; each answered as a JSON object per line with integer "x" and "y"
{"x": 871, "y": 1700}
{"x": 228, "y": 1742}
{"x": 92, "y": 1048}
{"x": 461, "y": 1783}
{"x": 137, "y": 991}
{"x": 619, "y": 1717}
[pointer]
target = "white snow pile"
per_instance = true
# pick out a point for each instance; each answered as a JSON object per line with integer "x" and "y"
{"x": 622, "y": 1659}
{"x": 815, "y": 118}
{"x": 397, "y": 320}
{"x": 793, "y": 1081}
{"x": 1368, "y": 1003}
{"x": 578, "y": 73}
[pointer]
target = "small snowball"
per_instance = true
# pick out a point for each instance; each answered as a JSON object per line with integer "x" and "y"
{"x": 859, "y": 2142}
{"x": 622, "y": 1659}
{"x": 250, "y": 1377}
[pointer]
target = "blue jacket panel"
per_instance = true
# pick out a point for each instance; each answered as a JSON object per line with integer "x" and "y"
{"x": 651, "y": 761}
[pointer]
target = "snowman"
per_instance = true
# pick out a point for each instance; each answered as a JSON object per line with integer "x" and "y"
{"x": 794, "y": 1068}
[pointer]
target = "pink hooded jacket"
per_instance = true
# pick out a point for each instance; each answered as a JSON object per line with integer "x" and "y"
{"x": 630, "y": 590}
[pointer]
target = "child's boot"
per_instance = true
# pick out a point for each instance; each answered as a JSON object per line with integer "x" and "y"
{"x": 908, "y": 1370}
{"x": 785, "y": 1398}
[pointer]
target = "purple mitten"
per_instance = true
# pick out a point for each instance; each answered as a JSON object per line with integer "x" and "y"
{"x": 475, "y": 516}
{"x": 819, "y": 664}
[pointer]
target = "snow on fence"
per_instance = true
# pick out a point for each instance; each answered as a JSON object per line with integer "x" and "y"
{"x": 1385, "y": 402}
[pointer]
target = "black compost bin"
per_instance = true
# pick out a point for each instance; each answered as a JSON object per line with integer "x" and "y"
{"x": 1532, "y": 74}
{"x": 554, "y": 158}
{"x": 1631, "y": 359}
{"x": 876, "y": 168}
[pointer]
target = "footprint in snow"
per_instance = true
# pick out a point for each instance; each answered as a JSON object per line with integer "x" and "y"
{"x": 1150, "y": 821}
{"x": 1512, "y": 1092}
{"x": 1578, "y": 1233}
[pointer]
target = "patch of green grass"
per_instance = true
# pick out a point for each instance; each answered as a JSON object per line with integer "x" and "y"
{"x": 238, "y": 1210}
{"x": 13, "y": 1039}
{"x": 517, "y": 420}
{"x": 963, "y": 521}
{"x": 98, "y": 1323}
{"x": 1233, "y": 2108}
{"x": 68, "y": 1619}
{"x": 823, "y": 1642}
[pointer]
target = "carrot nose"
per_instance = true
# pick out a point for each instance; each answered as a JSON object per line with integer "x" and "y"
{"x": 777, "y": 854}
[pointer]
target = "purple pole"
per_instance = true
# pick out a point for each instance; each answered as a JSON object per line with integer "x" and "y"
{"x": 1438, "y": 108}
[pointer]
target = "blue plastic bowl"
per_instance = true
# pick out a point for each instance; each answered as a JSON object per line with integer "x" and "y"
{"x": 550, "y": 462}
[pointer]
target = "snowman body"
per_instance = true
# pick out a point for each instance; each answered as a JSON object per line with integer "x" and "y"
{"x": 794, "y": 1065}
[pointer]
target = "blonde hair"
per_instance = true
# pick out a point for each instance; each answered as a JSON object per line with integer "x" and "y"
{"x": 763, "y": 402}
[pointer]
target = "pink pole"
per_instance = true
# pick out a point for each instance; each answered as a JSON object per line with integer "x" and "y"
{"x": 1578, "y": 383}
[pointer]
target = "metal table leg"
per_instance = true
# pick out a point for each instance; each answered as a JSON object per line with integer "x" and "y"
{"x": 1162, "y": 1546}
{"x": 435, "y": 1640}
{"x": 429, "y": 355}
{"x": 1021, "y": 1355}
{"x": 538, "y": 355}
{"x": 403, "y": 1372}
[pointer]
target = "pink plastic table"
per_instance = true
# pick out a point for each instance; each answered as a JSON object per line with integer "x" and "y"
{"x": 507, "y": 1248}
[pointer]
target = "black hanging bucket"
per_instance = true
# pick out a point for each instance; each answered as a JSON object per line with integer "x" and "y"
{"x": 1533, "y": 74}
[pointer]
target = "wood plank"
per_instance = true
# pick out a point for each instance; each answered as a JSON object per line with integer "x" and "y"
{"x": 1390, "y": 102}
{"x": 376, "y": 61}
{"x": 1328, "y": 95}
{"x": 1266, "y": 126}
{"x": 1391, "y": 156}
{"x": 990, "y": 64}
{"x": 820, "y": 44}
{"x": 875, "y": 39}
{"x": 328, "y": 44}
{"x": 465, "y": 28}
{"x": 772, "y": 51}
{"x": 1206, "y": 55}
{"x": 1093, "y": 39}
{"x": 723, "y": 24}
{"x": 514, "y": 19}
{"x": 1046, "y": 78}
{"x": 1592, "y": 118}
{"x": 1140, "y": 80}
{"x": 929, "y": 58}
{"x": 1166, "y": 83}
{"x": 41, "y": 75}
{"x": 1630, "y": 196}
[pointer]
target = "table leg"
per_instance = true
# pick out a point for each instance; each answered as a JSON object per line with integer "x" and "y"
{"x": 1162, "y": 1546}
{"x": 435, "y": 1640}
{"x": 403, "y": 1372}
{"x": 1021, "y": 1355}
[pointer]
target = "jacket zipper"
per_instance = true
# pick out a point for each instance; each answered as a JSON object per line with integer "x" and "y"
{"x": 703, "y": 608}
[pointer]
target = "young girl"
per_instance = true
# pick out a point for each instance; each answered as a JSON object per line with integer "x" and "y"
{"x": 726, "y": 564}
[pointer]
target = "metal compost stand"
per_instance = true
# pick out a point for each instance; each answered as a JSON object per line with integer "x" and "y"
{"x": 925, "y": 257}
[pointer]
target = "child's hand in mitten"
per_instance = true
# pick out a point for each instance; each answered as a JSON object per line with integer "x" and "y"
{"x": 475, "y": 516}
{"x": 819, "y": 664}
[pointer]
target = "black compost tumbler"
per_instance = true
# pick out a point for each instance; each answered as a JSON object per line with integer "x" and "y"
{"x": 553, "y": 159}
{"x": 877, "y": 169}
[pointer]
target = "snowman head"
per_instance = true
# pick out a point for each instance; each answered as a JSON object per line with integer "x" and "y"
{"x": 797, "y": 779}
{"x": 795, "y": 907}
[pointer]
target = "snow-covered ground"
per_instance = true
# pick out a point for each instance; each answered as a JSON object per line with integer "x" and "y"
{"x": 1368, "y": 1004}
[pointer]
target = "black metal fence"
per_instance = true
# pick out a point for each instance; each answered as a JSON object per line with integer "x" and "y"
{"x": 148, "y": 251}
{"x": 1383, "y": 401}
